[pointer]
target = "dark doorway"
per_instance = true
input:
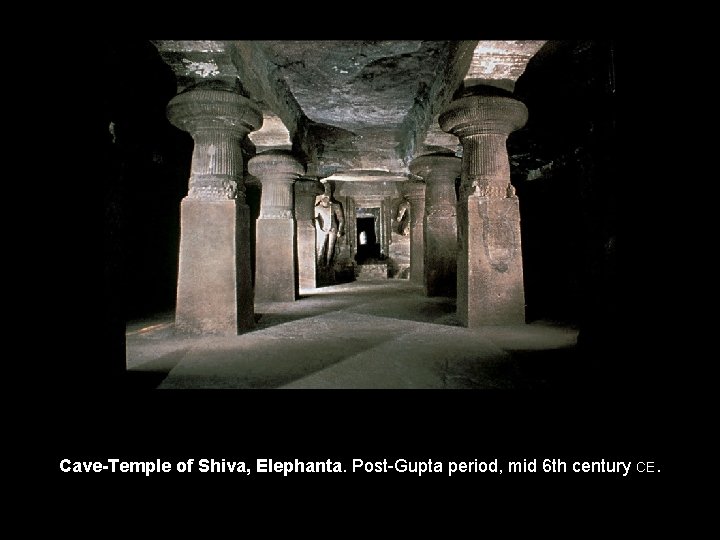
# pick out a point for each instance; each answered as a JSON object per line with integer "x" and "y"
{"x": 367, "y": 244}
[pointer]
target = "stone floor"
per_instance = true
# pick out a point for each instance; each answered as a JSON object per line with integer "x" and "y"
{"x": 361, "y": 335}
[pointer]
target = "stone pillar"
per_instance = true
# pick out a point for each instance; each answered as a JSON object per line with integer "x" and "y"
{"x": 214, "y": 292}
{"x": 415, "y": 192}
{"x": 275, "y": 261}
{"x": 305, "y": 192}
{"x": 439, "y": 172}
{"x": 385, "y": 225}
{"x": 489, "y": 264}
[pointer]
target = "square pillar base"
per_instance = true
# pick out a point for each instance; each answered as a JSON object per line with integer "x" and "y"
{"x": 441, "y": 256}
{"x": 490, "y": 287}
{"x": 306, "y": 253}
{"x": 417, "y": 254}
{"x": 275, "y": 268}
{"x": 214, "y": 293}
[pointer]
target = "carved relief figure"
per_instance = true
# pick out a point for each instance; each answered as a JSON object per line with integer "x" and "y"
{"x": 482, "y": 187}
{"x": 402, "y": 213}
{"x": 329, "y": 223}
{"x": 485, "y": 188}
{"x": 230, "y": 189}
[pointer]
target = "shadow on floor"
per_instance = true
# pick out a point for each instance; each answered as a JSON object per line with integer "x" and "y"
{"x": 406, "y": 302}
{"x": 360, "y": 335}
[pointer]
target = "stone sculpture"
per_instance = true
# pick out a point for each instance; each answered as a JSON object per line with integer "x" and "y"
{"x": 404, "y": 229}
{"x": 329, "y": 221}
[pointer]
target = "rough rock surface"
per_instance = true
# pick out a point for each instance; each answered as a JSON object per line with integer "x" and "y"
{"x": 346, "y": 105}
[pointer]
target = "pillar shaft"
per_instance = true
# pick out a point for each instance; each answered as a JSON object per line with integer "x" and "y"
{"x": 276, "y": 276}
{"x": 385, "y": 225}
{"x": 214, "y": 290}
{"x": 440, "y": 227}
{"x": 415, "y": 192}
{"x": 489, "y": 263}
{"x": 305, "y": 193}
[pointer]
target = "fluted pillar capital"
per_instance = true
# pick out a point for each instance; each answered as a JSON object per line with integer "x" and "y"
{"x": 199, "y": 109}
{"x": 439, "y": 171}
{"x": 217, "y": 120}
{"x": 439, "y": 165}
{"x": 483, "y": 123}
{"x": 277, "y": 171}
{"x": 275, "y": 165}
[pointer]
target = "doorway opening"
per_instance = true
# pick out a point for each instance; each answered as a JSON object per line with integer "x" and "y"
{"x": 368, "y": 246}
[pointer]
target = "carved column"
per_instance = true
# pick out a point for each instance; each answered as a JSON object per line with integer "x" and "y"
{"x": 489, "y": 264}
{"x": 214, "y": 293}
{"x": 440, "y": 247}
{"x": 415, "y": 192}
{"x": 385, "y": 225}
{"x": 275, "y": 262}
{"x": 305, "y": 192}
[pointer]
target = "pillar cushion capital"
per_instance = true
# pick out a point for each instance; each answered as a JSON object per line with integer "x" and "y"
{"x": 478, "y": 115}
{"x": 429, "y": 165}
{"x": 199, "y": 109}
{"x": 274, "y": 165}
